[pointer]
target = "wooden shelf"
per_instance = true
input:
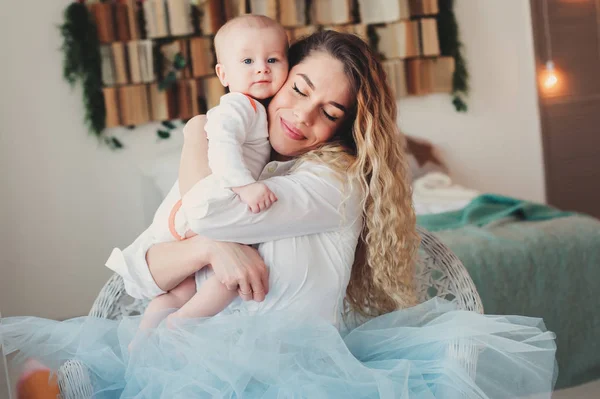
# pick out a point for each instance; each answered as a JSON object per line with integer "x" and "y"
{"x": 135, "y": 60}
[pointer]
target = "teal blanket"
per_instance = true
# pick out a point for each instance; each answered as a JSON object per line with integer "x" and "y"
{"x": 532, "y": 260}
{"x": 488, "y": 208}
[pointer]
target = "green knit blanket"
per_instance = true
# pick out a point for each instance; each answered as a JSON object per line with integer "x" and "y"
{"x": 533, "y": 260}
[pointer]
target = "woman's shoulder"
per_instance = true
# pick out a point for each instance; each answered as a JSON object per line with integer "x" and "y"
{"x": 324, "y": 174}
{"x": 318, "y": 168}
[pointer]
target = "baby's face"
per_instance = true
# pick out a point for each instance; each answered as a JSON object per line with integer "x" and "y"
{"x": 255, "y": 62}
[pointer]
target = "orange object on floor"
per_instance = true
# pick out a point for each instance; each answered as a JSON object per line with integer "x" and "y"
{"x": 37, "y": 382}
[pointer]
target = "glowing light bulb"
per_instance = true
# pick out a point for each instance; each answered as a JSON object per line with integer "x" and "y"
{"x": 550, "y": 79}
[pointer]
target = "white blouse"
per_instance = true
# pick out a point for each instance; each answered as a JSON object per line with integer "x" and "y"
{"x": 307, "y": 239}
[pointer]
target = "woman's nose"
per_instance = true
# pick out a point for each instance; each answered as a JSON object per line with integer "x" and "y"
{"x": 304, "y": 115}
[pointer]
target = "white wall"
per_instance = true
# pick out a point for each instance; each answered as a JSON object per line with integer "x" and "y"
{"x": 496, "y": 146}
{"x": 67, "y": 201}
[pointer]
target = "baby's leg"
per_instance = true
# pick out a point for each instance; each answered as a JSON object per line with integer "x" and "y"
{"x": 175, "y": 298}
{"x": 211, "y": 298}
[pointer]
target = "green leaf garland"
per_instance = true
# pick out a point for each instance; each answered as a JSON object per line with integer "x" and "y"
{"x": 82, "y": 63}
{"x": 450, "y": 45}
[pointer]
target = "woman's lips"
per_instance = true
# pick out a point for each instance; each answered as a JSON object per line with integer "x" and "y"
{"x": 291, "y": 131}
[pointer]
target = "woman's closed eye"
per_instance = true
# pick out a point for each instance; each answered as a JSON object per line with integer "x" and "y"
{"x": 325, "y": 114}
{"x": 331, "y": 118}
{"x": 297, "y": 90}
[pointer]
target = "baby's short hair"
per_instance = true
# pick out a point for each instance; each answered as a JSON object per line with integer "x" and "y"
{"x": 246, "y": 21}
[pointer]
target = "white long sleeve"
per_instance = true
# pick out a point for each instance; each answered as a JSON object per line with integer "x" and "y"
{"x": 307, "y": 238}
{"x": 311, "y": 200}
{"x": 237, "y": 121}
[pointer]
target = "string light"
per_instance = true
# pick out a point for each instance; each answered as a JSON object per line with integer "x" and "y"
{"x": 549, "y": 78}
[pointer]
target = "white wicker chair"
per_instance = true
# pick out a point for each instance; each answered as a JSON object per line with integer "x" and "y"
{"x": 439, "y": 274}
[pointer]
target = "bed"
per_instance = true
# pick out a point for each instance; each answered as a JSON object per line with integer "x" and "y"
{"x": 526, "y": 259}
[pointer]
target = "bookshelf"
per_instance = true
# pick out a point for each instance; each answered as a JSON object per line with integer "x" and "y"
{"x": 158, "y": 58}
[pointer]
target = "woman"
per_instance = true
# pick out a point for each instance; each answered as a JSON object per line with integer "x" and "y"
{"x": 311, "y": 119}
{"x": 339, "y": 173}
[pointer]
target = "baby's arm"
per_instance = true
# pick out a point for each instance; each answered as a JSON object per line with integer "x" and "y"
{"x": 257, "y": 196}
{"x": 193, "y": 168}
{"x": 227, "y": 129}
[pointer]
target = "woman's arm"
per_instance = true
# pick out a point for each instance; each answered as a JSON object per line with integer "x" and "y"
{"x": 193, "y": 165}
{"x": 236, "y": 266}
{"x": 310, "y": 200}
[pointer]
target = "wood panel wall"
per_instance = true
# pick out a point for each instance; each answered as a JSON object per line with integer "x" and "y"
{"x": 570, "y": 113}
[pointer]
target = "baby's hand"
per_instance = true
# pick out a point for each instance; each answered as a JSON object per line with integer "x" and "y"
{"x": 256, "y": 195}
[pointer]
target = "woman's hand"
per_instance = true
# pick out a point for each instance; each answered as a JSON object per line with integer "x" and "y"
{"x": 239, "y": 267}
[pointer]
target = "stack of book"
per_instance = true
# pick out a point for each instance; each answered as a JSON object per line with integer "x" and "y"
{"x": 264, "y": 7}
{"x": 141, "y": 61}
{"x": 103, "y": 17}
{"x": 298, "y": 33}
{"x": 332, "y": 12}
{"x": 398, "y": 40}
{"x": 120, "y": 62}
{"x": 133, "y": 105}
{"x": 442, "y": 74}
{"x": 180, "y": 17}
{"x": 359, "y": 30}
{"x": 396, "y": 77}
{"x": 155, "y": 15}
{"x": 138, "y": 104}
{"x": 292, "y": 13}
{"x": 428, "y": 37}
{"x": 133, "y": 8}
{"x": 234, "y": 8}
{"x": 211, "y": 13}
{"x": 202, "y": 56}
{"x": 107, "y": 66}
{"x": 127, "y": 62}
{"x": 168, "y": 18}
{"x": 429, "y": 75}
{"x": 188, "y": 99}
{"x": 383, "y": 11}
{"x": 419, "y": 8}
{"x": 111, "y": 104}
{"x": 163, "y": 103}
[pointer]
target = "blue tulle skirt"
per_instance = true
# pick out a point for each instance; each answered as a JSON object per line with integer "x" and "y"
{"x": 421, "y": 352}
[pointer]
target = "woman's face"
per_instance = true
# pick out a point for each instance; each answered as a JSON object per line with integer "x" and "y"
{"x": 310, "y": 106}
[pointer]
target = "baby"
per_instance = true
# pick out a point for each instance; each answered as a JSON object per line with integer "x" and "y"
{"x": 252, "y": 63}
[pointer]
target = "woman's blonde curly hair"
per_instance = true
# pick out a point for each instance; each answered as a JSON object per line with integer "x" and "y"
{"x": 370, "y": 149}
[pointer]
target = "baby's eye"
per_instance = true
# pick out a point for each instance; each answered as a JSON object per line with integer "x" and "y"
{"x": 247, "y": 61}
{"x": 272, "y": 60}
